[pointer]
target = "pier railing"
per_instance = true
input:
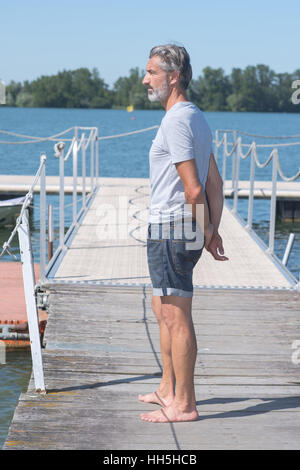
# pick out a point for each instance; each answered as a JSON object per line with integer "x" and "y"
{"x": 23, "y": 230}
{"x": 237, "y": 154}
{"x": 84, "y": 143}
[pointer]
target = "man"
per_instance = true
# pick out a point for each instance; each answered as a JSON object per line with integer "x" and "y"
{"x": 183, "y": 173}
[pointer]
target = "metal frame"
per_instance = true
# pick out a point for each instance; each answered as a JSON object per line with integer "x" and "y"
{"x": 85, "y": 139}
{"x": 30, "y": 299}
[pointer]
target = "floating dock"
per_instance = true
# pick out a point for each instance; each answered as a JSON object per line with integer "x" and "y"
{"x": 262, "y": 189}
{"x": 102, "y": 342}
{"x": 13, "y": 316}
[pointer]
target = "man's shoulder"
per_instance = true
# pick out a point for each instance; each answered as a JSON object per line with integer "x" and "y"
{"x": 183, "y": 115}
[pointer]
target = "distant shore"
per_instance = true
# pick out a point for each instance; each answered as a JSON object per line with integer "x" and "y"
{"x": 253, "y": 89}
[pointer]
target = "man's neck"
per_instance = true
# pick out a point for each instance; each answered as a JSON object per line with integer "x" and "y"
{"x": 176, "y": 96}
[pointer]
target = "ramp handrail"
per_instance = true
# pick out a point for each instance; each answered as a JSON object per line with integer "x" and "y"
{"x": 23, "y": 230}
{"x": 237, "y": 155}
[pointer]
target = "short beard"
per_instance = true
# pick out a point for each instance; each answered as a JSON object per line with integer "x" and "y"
{"x": 159, "y": 94}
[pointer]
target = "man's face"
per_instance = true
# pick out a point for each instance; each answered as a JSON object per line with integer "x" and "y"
{"x": 156, "y": 81}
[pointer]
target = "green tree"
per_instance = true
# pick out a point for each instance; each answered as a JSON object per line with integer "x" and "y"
{"x": 12, "y": 91}
{"x": 210, "y": 91}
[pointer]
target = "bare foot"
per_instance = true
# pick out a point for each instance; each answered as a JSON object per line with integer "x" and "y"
{"x": 170, "y": 414}
{"x": 155, "y": 398}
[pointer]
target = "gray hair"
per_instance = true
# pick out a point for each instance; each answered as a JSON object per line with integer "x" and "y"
{"x": 174, "y": 58}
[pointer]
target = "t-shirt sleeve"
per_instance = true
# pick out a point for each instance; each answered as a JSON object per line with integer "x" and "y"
{"x": 179, "y": 140}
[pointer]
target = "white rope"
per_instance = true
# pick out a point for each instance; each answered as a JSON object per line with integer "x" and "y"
{"x": 275, "y": 144}
{"x": 54, "y": 137}
{"x": 128, "y": 133}
{"x": 261, "y": 136}
{"x": 35, "y": 139}
{"x": 253, "y": 146}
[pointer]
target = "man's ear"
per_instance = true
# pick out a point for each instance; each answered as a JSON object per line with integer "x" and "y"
{"x": 174, "y": 77}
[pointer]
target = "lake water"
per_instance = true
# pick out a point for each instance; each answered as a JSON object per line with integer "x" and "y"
{"x": 128, "y": 157}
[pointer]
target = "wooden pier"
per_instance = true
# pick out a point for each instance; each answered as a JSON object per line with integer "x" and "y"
{"x": 102, "y": 343}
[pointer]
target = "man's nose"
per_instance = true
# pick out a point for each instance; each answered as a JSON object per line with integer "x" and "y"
{"x": 145, "y": 80}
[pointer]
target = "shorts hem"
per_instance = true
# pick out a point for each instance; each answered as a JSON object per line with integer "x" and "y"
{"x": 160, "y": 292}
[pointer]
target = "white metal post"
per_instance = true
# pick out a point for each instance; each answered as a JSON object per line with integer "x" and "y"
{"x": 50, "y": 232}
{"x": 251, "y": 190}
{"x": 97, "y": 156}
{"x": 43, "y": 219}
{"x": 61, "y": 198}
{"x": 288, "y": 249}
{"x": 92, "y": 144}
{"x": 83, "y": 157}
{"x": 224, "y": 158}
{"x": 237, "y": 175}
{"x": 234, "y": 158}
{"x": 31, "y": 307}
{"x": 75, "y": 153}
{"x": 273, "y": 203}
{"x": 217, "y": 145}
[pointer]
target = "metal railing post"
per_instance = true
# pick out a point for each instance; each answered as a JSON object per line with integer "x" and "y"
{"x": 234, "y": 158}
{"x": 75, "y": 153}
{"x": 92, "y": 163}
{"x": 224, "y": 158}
{"x": 97, "y": 156}
{"x": 251, "y": 191}
{"x": 43, "y": 218}
{"x": 83, "y": 171}
{"x": 237, "y": 175}
{"x": 216, "y": 146}
{"x": 61, "y": 199}
{"x": 273, "y": 203}
{"x": 288, "y": 249}
{"x": 50, "y": 232}
{"x": 31, "y": 307}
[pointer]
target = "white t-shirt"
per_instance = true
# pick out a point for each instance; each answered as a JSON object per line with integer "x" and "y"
{"x": 183, "y": 135}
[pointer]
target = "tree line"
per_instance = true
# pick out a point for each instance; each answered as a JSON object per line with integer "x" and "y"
{"x": 253, "y": 89}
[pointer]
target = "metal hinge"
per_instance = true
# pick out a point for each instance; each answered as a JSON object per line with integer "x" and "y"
{"x": 41, "y": 298}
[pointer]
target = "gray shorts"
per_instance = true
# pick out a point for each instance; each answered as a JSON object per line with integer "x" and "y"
{"x": 172, "y": 257}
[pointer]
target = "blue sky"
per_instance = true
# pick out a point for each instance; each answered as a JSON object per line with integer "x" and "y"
{"x": 44, "y": 37}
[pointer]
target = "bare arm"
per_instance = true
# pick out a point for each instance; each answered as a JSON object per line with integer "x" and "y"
{"x": 215, "y": 200}
{"x": 195, "y": 194}
{"x": 214, "y": 192}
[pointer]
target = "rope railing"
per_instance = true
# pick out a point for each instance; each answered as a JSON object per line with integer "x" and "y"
{"x": 280, "y": 137}
{"x": 34, "y": 139}
{"x": 253, "y": 148}
{"x": 55, "y": 137}
{"x": 237, "y": 154}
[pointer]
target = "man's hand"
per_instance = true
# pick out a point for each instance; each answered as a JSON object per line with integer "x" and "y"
{"x": 208, "y": 233}
{"x": 215, "y": 247}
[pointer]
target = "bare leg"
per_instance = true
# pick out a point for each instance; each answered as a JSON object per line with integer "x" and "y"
{"x": 166, "y": 390}
{"x": 176, "y": 311}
